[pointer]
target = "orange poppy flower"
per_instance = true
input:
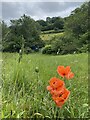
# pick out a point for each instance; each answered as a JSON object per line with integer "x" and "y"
{"x": 56, "y": 86}
{"x": 65, "y": 72}
{"x": 57, "y": 91}
{"x": 55, "y": 82}
{"x": 61, "y": 99}
{"x": 66, "y": 94}
{"x": 60, "y": 104}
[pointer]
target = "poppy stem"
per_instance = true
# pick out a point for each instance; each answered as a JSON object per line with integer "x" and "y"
{"x": 72, "y": 112}
{"x": 37, "y": 90}
{"x": 62, "y": 117}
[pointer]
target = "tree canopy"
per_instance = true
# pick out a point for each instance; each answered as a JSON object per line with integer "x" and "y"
{"x": 51, "y": 23}
{"x": 26, "y": 27}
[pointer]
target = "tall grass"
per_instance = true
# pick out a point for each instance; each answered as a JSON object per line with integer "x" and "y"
{"x": 24, "y": 90}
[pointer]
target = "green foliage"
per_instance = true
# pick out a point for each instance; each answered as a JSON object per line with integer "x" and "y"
{"x": 84, "y": 38}
{"x": 54, "y": 23}
{"x": 58, "y": 24}
{"x": 83, "y": 49}
{"x": 26, "y": 27}
{"x": 70, "y": 44}
{"x": 28, "y": 50}
{"x": 57, "y": 44}
{"x": 77, "y": 22}
{"x": 63, "y": 44}
{"x": 47, "y": 49}
{"x": 43, "y": 24}
{"x": 12, "y": 44}
{"x": 5, "y": 29}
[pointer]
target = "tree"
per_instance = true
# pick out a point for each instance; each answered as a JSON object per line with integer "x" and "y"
{"x": 77, "y": 22}
{"x": 55, "y": 23}
{"x": 42, "y": 23}
{"x": 5, "y": 33}
{"x": 76, "y": 25}
{"x": 59, "y": 23}
{"x": 29, "y": 29}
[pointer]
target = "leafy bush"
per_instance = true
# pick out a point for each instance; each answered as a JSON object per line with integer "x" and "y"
{"x": 24, "y": 26}
{"x": 84, "y": 38}
{"x": 47, "y": 49}
{"x": 57, "y": 45}
{"x": 64, "y": 44}
{"x": 83, "y": 49}
{"x": 60, "y": 45}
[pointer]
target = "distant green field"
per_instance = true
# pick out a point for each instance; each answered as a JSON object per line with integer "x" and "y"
{"x": 24, "y": 91}
{"x": 50, "y": 36}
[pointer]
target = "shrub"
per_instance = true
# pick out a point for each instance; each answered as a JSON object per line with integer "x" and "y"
{"x": 84, "y": 39}
{"x": 83, "y": 49}
{"x": 47, "y": 49}
{"x": 63, "y": 45}
{"x": 57, "y": 44}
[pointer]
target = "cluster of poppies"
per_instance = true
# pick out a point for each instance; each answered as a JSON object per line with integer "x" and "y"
{"x": 57, "y": 87}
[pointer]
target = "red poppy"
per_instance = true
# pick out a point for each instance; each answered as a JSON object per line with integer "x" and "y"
{"x": 65, "y": 72}
{"x": 57, "y": 91}
{"x": 66, "y": 94}
{"x": 60, "y": 104}
{"x": 57, "y": 88}
{"x": 61, "y": 99}
{"x": 55, "y": 82}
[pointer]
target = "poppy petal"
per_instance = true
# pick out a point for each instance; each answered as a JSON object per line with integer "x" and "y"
{"x": 49, "y": 88}
{"x": 67, "y": 70}
{"x": 69, "y": 75}
{"x": 61, "y": 71}
{"x": 55, "y": 82}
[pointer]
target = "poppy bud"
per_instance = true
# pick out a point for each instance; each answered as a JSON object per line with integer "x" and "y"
{"x": 37, "y": 69}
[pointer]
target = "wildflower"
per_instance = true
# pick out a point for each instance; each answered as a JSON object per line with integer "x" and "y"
{"x": 55, "y": 82}
{"x": 58, "y": 91}
{"x": 65, "y": 72}
{"x": 62, "y": 98}
{"x": 57, "y": 87}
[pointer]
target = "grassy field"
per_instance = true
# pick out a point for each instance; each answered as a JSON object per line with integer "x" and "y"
{"x": 50, "y": 36}
{"x": 24, "y": 91}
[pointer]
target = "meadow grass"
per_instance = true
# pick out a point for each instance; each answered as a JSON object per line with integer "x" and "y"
{"x": 50, "y": 36}
{"x": 24, "y": 90}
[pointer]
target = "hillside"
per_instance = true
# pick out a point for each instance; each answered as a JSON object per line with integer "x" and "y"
{"x": 49, "y": 36}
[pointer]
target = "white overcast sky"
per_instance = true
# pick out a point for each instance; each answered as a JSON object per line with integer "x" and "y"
{"x": 38, "y": 9}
